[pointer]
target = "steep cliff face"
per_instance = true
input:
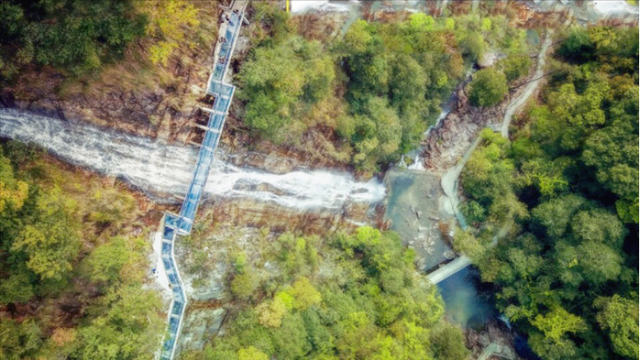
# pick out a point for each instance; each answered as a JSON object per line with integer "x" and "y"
{"x": 135, "y": 92}
{"x": 132, "y": 96}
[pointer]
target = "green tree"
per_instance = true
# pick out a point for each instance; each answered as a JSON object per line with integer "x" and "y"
{"x": 304, "y": 294}
{"x": 274, "y": 90}
{"x": 384, "y": 311}
{"x": 556, "y": 323}
{"x": 613, "y": 152}
{"x": 553, "y": 217}
{"x": 358, "y": 336}
{"x": 40, "y": 241}
{"x": 17, "y": 288}
{"x": 547, "y": 176}
{"x": 515, "y": 66}
{"x": 13, "y": 192}
{"x": 169, "y": 21}
{"x": 473, "y": 45}
{"x": 52, "y": 242}
{"x": 487, "y": 88}
{"x": 599, "y": 262}
{"x": 407, "y": 86}
{"x": 19, "y": 341}
{"x": 276, "y": 77}
{"x": 619, "y": 316}
{"x": 111, "y": 207}
{"x": 448, "y": 343}
{"x": 107, "y": 260}
{"x": 598, "y": 225}
{"x": 377, "y": 133}
{"x": 421, "y": 22}
{"x": 291, "y": 339}
{"x": 271, "y": 313}
{"x": 129, "y": 330}
{"x": 488, "y": 179}
{"x": 552, "y": 349}
{"x": 244, "y": 285}
{"x": 321, "y": 338}
{"x": 465, "y": 242}
{"x": 578, "y": 47}
{"x": 70, "y": 35}
{"x": 574, "y": 164}
{"x": 410, "y": 341}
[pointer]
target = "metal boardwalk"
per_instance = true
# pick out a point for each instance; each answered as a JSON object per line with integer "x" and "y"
{"x": 174, "y": 225}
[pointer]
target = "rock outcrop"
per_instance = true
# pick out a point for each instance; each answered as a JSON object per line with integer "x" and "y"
{"x": 248, "y": 212}
{"x": 129, "y": 96}
{"x": 446, "y": 143}
{"x": 202, "y": 323}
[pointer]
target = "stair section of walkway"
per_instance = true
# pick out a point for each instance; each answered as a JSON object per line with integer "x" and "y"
{"x": 179, "y": 301}
{"x": 205, "y": 158}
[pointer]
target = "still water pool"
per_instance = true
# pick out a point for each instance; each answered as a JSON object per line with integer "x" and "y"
{"x": 464, "y": 304}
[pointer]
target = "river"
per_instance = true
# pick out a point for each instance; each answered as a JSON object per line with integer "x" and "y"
{"x": 466, "y": 306}
{"x": 163, "y": 170}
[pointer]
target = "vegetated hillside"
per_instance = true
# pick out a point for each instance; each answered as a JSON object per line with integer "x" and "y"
{"x": 73, "y": 259}
{"x": 354, "y": 296}
{"x": 141, "y": 65}
{"x": 566, "y": 187}
{"x": 130, "y": 65}
{"x": 372, "y": 92}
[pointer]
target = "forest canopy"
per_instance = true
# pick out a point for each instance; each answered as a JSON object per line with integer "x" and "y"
{"x": 565, "y": 189}
{"x": 80, "y": 36}
{"x": 377, "y": 87}
{"x": 61, "y": 252}
{"x": 354, "y": 296}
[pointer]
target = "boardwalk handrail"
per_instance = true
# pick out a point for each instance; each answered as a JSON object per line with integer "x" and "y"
{"x": 174, "y": 225}
{"x": 205, "y": 159}
{"x": 179, "y": 299}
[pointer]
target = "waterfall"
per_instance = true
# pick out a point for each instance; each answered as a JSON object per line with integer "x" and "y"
{"x": 160, "y": 169}
{"x": 301, "y": 6}
{"x": 418, "y": 161}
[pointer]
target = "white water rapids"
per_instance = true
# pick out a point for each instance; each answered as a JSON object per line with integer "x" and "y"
{"x": 160, "y": 169}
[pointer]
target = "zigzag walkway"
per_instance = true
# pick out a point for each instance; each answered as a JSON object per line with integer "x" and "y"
{"x": 181, "y": 224}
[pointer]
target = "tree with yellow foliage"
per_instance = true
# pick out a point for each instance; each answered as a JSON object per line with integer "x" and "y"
{"x": 13, "y": 192}
{"x": 251, "y": 353}
{"x": 169, "y": 22}
{"x": 271, "y": 313}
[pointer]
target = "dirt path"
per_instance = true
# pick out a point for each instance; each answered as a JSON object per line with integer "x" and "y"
{"x": 531, "y": 87}
{"x": 449, "y": 181}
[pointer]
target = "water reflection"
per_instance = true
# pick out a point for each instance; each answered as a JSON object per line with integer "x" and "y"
{"x": 464, "y": 304}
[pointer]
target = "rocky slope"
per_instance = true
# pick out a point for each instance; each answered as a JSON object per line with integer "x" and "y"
{"x": 132, "y": 96}
{"x": 448, "y": 141}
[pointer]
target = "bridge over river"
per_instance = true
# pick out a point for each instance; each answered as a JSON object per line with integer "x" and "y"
{"x": 174, "y": 225}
